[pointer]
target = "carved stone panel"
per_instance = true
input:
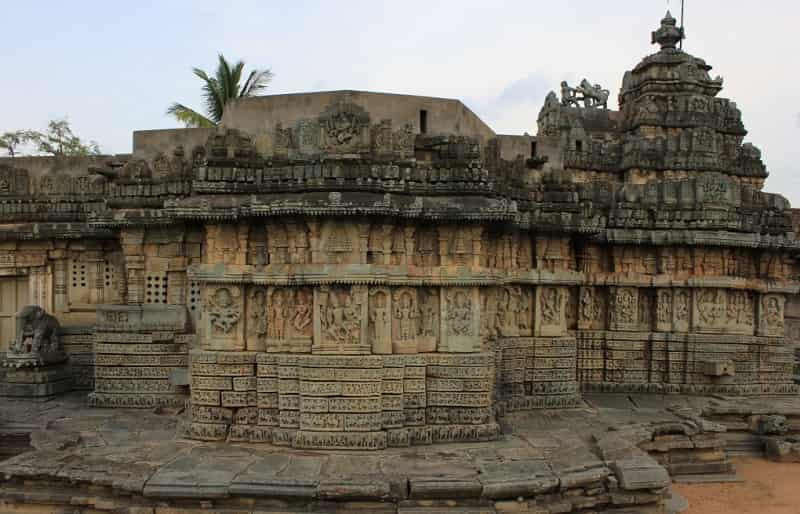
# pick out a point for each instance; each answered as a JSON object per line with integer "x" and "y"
{"x": 739, "y": 311}
{"x": 591, "y": 308}
{"x": 624, "y": 308}
{"x": 508, "y": 304}
{"x": 460, "y": 325}
{"x": 223, "y": 307}
{"x": 723, "y": 311}
{"x": 289, "y": 319}
{"x": 405, "y": 323}
{"x": 429, "y": 315}
{"x": 344, "y": 129}
{"x": 681, "y": 310}
{"x": 771, "y": 315}
{"x": 340, "y": 320}
{"x": 551, "y": 303}
{"x": 664, "y": 310}
{"x": 380, "y": 320}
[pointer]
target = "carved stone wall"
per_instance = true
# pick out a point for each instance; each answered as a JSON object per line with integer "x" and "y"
{"x": 140, "y": 355}
{"x": 356, "y": 282}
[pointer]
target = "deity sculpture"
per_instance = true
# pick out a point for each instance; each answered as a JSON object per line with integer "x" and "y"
{"x": 224, "y": 311}
{"x": 406, "y": 315}
{"x": 460, "y": 314}
{"x": 278, "y": 315}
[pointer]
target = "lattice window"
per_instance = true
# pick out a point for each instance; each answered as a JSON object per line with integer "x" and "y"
{"x": 111, "y": 281}
{"x": 156, "y": 286}
{"x": 194, "y": 297}
{"x": 79, "y": 283}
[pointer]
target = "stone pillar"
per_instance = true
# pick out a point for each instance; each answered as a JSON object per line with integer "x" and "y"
{"x": 39, "y": 286}
{"x": 477, "y": 246}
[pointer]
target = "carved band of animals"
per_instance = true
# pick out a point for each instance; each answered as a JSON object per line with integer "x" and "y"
{"x": 592, "y": 95}
{"x": 37, "y": 342}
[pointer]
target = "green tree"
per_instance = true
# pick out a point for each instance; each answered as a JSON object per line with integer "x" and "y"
{"x": 57, "y": 140}
{"x": 10, "y": 141}
{"x": 218, "y": 90}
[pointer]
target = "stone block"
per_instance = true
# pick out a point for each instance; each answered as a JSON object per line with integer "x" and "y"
{"x": 639, "y": 473}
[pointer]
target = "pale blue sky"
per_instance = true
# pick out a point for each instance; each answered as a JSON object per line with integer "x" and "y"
{"x": 113, "y": 67}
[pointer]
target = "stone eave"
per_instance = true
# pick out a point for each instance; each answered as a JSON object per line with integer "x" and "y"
{"x": 68, "y": 230}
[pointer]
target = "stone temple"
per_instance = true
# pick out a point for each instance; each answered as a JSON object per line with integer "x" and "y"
{"x": 358, "y": 270}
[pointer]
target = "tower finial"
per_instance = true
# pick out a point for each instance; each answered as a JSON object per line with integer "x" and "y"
{"x": 669, "y": 35}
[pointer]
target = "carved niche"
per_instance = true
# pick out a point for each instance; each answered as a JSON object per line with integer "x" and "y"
{"x": 380, "y": 243}
{"x": 571, "y": 308}
{"x": 278, "y": 243}
{"x": 552, "y": 254}
{"x": 456, "y": 246}
{"x": 427, "y": 247}
{"x": 289, "y": 319}
{"x": 227, "y": 244}
{"x": 257, "y": 254}
{"x": 624, "y": 308}
{"x": 429, "y": 310}
{"x": 380, "y": 320}
{"x": 551, "y": 302}
{"x": 223, "y": 306}
{"x": 298, "y": 242}
{"x": 460, "y": 321}
{"x": 340, "y": 320}
{"x": 405, "y": 322}
{"x": 771, "y": 315}
{"x": 403, "y": 245}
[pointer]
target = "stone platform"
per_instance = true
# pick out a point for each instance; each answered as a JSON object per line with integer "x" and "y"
{"x": 612, "y": 454}
{"x": 37, "y": 382}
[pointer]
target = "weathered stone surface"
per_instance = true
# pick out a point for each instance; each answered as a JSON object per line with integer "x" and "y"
{"x": 638, "y": 473}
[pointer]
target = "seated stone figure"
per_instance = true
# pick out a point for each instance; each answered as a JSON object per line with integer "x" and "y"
{"x": 38, "y": 340}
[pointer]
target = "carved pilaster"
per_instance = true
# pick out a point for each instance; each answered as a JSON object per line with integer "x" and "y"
{"x": 133, "y": 251}
{"x": 380, "y": 320}
{"x": 60, "y": 285}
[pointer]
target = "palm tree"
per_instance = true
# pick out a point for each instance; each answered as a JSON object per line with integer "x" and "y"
{"x": 218, "y": 91}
